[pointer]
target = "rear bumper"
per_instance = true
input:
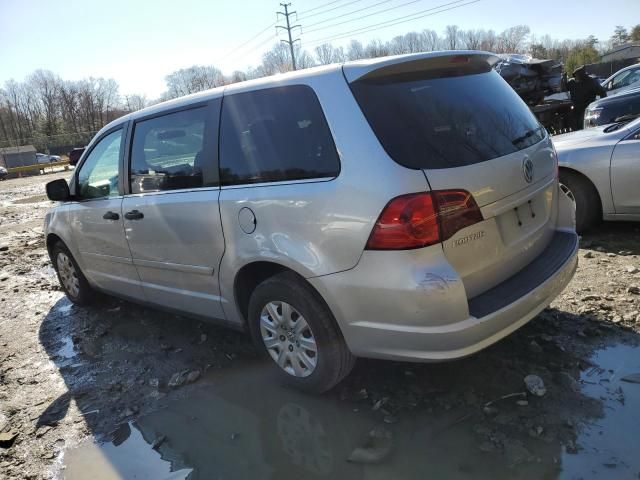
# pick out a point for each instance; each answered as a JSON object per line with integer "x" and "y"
{"x": 423, "y": 314}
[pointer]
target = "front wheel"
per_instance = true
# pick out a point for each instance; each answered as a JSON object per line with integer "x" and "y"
{"x": 586, "y": 198}
{"x": 292, "y": 324}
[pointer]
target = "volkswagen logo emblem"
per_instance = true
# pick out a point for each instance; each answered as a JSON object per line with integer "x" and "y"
{"x": 527, "y": 169}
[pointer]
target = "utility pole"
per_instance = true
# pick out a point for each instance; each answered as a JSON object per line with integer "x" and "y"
{"x": 288, "y": 28}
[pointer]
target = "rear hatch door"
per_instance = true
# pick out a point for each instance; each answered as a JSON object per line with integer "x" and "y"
{"x": 458, "y": 121}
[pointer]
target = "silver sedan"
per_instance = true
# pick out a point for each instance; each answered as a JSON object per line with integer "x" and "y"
{"x": 600, "y": 169}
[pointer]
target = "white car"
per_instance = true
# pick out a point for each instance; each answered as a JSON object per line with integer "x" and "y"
{"x": 623, "y": 79}
{"x": 44, "y": 158}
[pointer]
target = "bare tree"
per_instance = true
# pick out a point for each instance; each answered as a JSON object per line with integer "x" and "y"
{"x": 193, "y": 79}
{"x": 512, "y": 40}
{"x": 430, "y": 40}
{"x": 135, "y": 102}
{"x": 324, "y": 53}
{"x": 489, "y": 41}
{"x": 473, "y": 39}
{"x": 355, "y": 50}
{"x": 452, "y": 37}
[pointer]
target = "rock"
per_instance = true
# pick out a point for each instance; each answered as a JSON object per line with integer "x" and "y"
{"x": 390, "y": 419}
{"x": 181, "y": 378}
{"x": 490, "y": 410}
{"x": 632, "y": 269}
{"x": 590, "y": 298}
{"x": 534, "y": 347}
{"x": 154, "y": 382}
{"x": 7, "y": 438}
{"x": 611, "y": 255}
{"x": 486, "y": 447}
{"x": 633, "y": 378}
{"x": 4, "y": 247}
{"x": 535, "y": 385}
{"x": 522, "y": 403}
{"x": 375, "y": 449}
{"x": 158, "y": 441}
{"x": 588, "y": 254}
{"x": 631, "y": 316}
{"x": 634, "y": 289}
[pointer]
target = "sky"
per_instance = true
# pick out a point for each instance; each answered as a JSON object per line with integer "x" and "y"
{"x": 139, "y": 42}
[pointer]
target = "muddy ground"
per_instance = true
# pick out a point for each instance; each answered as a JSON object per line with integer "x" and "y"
{"x": 121, "y": 391}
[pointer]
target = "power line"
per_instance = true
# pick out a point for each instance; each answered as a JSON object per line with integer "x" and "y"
{"x": 365, "y": 16}
{"x": 320, "y": 6}
{"x": 248, "y": 41}
{"x": 396, "y": 21}
{"x": 288, "y": 28}
{"x": 331, "y": 9}
{"x": 350, "y": 13}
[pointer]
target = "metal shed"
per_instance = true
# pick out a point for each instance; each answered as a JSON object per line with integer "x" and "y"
{"x": 11, "y": 157}
{"x": 623, "y": 52}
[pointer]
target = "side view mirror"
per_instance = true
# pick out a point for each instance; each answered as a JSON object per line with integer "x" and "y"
{"x": 58, "y": 190}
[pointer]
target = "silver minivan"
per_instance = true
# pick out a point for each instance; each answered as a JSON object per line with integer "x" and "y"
{"x": 401, "y": 208}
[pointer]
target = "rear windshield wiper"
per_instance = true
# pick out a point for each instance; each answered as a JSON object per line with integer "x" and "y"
{"x": 529, "y": 134}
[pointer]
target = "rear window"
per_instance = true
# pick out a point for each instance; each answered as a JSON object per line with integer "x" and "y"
{"x": 276, "y": 134}
{"x": 431, "y": 123}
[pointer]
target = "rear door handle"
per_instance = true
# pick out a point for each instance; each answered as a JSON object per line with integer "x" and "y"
{"x": 111, "y": 216}
{"x": 134, "y": 215}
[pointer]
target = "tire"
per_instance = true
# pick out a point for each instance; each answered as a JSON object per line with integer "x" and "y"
{"x": 588, "y": 206}
{"x": 73, "y": 282}
{"x": 284, "y": 300}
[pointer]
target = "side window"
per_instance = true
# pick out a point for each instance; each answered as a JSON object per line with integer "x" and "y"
{"x": 98, "y": 175}
{"x": 273, "y": 135}
{"x": 167, "y": 153}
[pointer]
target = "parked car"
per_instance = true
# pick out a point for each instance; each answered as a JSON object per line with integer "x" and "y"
{"x": 402, "y": 208}
{"x": 3, "y": 173}
{"x": 624, "y": 105}
{"x": 75, "y": 154}
{"x": 599, "y": 169}
{"x": 622, "y": 80}
{"x": 44, "y": 158}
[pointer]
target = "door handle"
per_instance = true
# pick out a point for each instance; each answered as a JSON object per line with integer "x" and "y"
{"x": 111, "y": 216}
{"x": 134, "y": 215}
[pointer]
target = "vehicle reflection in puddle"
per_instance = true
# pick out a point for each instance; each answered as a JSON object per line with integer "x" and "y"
{"x": 241, "y": 425}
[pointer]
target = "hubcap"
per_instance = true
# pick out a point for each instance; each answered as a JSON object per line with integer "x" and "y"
{"x": 68, "y": 275}
{"x": 289, "y": 339}
{"x": 568, "y": 192}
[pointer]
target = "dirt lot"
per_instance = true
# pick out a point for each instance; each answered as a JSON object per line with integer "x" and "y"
{"x": 122, "y": 391}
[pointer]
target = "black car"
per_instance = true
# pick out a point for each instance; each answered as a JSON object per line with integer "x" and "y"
{"x": 615, "y": 108}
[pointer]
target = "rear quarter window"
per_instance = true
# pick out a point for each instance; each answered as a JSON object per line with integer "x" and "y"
{"x": 275, "y": 134}
{"x": 433, "y": 122}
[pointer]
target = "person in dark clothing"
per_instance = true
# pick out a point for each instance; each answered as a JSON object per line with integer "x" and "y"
{"x": 583, "y": 90}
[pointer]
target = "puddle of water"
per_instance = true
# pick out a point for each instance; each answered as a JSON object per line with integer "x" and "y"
{"x": 610, "y": 445}
{"x": 67, "y": 350}
{"x": 65, "y": 309}
{"x": 131, "y": 459}
{"x": 243, "y": 425}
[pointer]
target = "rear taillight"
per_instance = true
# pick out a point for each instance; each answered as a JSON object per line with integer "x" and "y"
{"x": 423, "y": 219}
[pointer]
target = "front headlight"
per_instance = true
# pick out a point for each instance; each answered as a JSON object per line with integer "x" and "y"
{"x": 591, "y": 116}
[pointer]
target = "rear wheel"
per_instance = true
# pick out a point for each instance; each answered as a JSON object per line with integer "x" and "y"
{"x": 586, "y": 198}
{"x": 71, "y": 279}
{"x": 290, "y": 322}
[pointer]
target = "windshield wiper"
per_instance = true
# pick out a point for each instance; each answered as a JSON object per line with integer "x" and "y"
{"x": 529, "y": 134}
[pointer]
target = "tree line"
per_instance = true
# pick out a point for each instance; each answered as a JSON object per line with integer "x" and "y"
{"x": 53, "y": 113}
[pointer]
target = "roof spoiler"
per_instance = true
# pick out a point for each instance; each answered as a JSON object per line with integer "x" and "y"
{"x": 400, "y": 64}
